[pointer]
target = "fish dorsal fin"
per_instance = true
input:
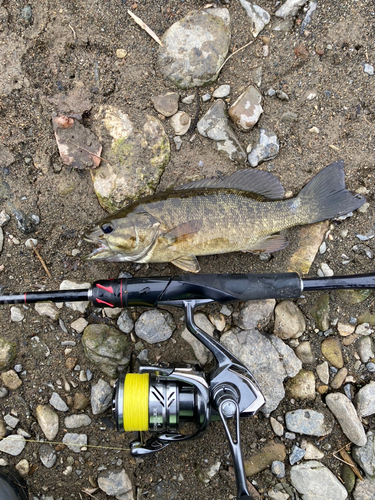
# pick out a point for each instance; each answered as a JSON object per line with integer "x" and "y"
{"x": 254, "y": 181}
{"x": 187, "y": 263}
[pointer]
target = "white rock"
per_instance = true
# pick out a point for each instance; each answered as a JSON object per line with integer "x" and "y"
{"x": 13, "y": 445}
{"x": 221, "y": 92}
{"x": 58, "y": 403}
{"x": 365, "y": 401}
{"x": 289, "y": 8}
{"x": 47, "y": 309}
{"x": 344, "y": 411}
{"x": 277, "y": 427}
{"x": 79, "y": 325}
{"x": 323, "y": 372}
{"x": 180, "y": 122}
{"x": 364, "y": 329}
{"x": 312, "y": 452}
{"x": 23, "y": 467}
{"x": 259, "y": 18}
{"x": 16, "y": 314}
{"x": 316, "y": 482}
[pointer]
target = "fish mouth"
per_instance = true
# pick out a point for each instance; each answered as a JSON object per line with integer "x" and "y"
{"x": 102, "y": 252}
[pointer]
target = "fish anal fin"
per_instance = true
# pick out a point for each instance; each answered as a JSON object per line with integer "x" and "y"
{"x": 183, "y": 231}
{"x": 187, "y": 263}
{"x": 270, "y": 244}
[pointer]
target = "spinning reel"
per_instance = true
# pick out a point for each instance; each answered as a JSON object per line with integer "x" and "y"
{"x": 161, "y": 398}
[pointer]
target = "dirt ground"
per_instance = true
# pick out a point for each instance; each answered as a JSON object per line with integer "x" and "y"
{"x": 74, "y": 41}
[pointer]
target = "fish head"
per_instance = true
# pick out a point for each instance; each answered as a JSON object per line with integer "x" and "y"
{"x": 123, "y": 238}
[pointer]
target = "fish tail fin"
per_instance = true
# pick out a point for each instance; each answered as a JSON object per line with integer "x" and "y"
{"x": 326, "y": 197}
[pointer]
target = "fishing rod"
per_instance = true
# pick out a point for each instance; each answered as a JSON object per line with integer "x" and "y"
{"x": 161, "y": 397}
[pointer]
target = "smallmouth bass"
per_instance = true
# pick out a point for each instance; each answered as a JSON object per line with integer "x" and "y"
{"x": 242, "y": 212}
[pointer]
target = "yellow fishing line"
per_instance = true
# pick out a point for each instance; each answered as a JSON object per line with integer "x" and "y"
{"x": 136, "y": 390}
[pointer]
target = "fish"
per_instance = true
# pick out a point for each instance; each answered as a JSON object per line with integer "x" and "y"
{"x": 243, "y": 212}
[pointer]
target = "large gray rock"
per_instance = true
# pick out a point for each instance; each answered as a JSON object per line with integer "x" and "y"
{"x": 365, "y": 456}
{"x": 7, "y": 352}
{"x": 343, "y": 409}
{"x": 195, "y": 48}
{"x": 106, "y": 348}
{"x": 136, "y": 157}
{"x": 366, "y": 400}
{"x": 289, "y": 320}
{"x": 314, "y": 481}
{"x": 309, "y": 422}
{"x": 364, "y": 490}
{"x": 269, "y": 360}
{"x": 215, "y": 125}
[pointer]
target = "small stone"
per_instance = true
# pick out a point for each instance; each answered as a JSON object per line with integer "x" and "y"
{"x": 47, "y": 455}
{"x": 313, "y": 480}
{"x": 309, "y": 422}
{"x": 155, "y": 326}
{"x": 206, "y": 97}
{"x": 345, "y": 413}
{"x": 339, "y": 378}
{"x": 7, "y": 352}
{"x": 3, "y": 429}
{"x": 264, "y": 458}
{"x": 304, "y": 353}
{"x": 256, "y": 314}
{"x": 79, "y": 325}
{"x": 48, "y": 421}
{"x": 365, "y": 400}
{"x": 76, "y": 421}
{"x": 282, "y": 95}
{"x": 116, "y": 483}
{"x": 277, "y": 427}
{"x": 323, "y": 372}
{"x": 302, "y": 386}
{"x": 11, "y": 380}
{"x": 11, "y": 421}
{"x": 278, "y": 469}
{"x": 345, "y": 329}
{"x": 125, "y": 322}
{"x": 3, "y": 392}
{"x": 80, "y": 401}
{"x": 266, "y": 149}
{"x": 246, "y": 110}
{"x": 296, "y": 454}
{"x": 177, "y": 142}
{"x": 258, "y": 17}
{"x": 47, "y": 309}
{"x": 364, "y": 329}
{"x": 364, "y": 490}
{"x": 180, "y": 122}
{"x": 13, "y": 445}
{"x": 221, "y": 92}
{"x": 166, "y": 104}
{"x": 289, "y": 320}
{"x": 325, "y": 270}
{"x": 74, "y": 441}
{"x": 218, "y": 320}
{"x": 26, "y": 13}
{"x": 112, "y": 312}
{"x": 311, "y": 451}
{"x": 331, "y": 350}
{"x": 289, "y": 116}
{"x": 23, "y": 467}
{"x": 16, "y": 314}
{"x": 58, "y": 403}
{"x": 368, "y": 68}
{"x": 4, "y": 218}
{"x": 188, "y": 99}
{"x": 121, "y": 53}
{"x": 101, "y": 396}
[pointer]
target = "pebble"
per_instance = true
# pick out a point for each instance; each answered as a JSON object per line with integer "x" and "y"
{"x": 3, "y": 429}
{"x": 7, "y": 352}
{"x": 325, "y": 270}
{"x": 3, "y": 462}
{"x": 180, "y": 60}
{"x": 313, "y": 480}
{"x": 48, "y": 421}
{"x": 80, "y": 401}
{"x": 339, "y": 378}
{"x": 23, "y": 467}
{"x": 278, "y": 469}
{"x": 323, "y": 372}
{"x": 331, "y": 350}
{"x": 180, "y": 122}
{"x": 201, "y": 352}
{"x": 296, "y": 454}
{"x": 26, "y": 13}
{"x": 304, "y": 353}
{"x": 11, "y": 380}
{"x": 370, "y": 367}
{"x": 47, "y": 455}
{"x": 58, "y": 403}
{"x": 74, "y": 441}
{"x": 4, "y": 218}
{"x": 188, "y": 99}
{"x": 364, "y": 329}
{"x": 311, "y": 451}
{"x": 79, "y": 325}
{"x": 121, "y": 53}
{"x": 215, "y": 125}
{"x": 258, "y": 17}
{"x": 302, "y": 386}
{"x": 282, "y": 95}
{"x": 246, "y": 110}
{"x": 277, "y": 427}
{"x": 206, "y": 97}
{"x": 289, "y": 116}
{"x": 309, "y": 422}
{"x": 368, "y": 68}
{"x": 101, "y": 396}
{"x": 221, "y": 92}
{"x": 166, "y": 104}
{"x": 3, "y": 392}
{"x": 16, "y": 314}
{"x": 364, "y": 490}
{"x": 177, "y": 142}
{"x": 11, "y": 421}
{"x": 289, "y": 320}
{"x": 269, "y": 359}
{"x": 75, "y": 421}
{"x": 264, "y": 458}
{"x": 266, "y": 149}
{"x": 125, "y": 322}
{"x": 256, "y": 314}
{"x": 345, "y": 329}
{"x": 112, "y": 312}
{"x": 365, "y": 456}
{"x": 365, "y": 401}
{"x": 13, "y": 445}
{"x": 116, "y": 483}
{"x": 155, "y": 326}
{"x": 345, "y": 413}
{"x": 47, "y": 309}
{"x": 277, "y": 495}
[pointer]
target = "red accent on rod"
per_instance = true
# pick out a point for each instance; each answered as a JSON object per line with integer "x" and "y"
{"x": 104, "y": 302}
{"x": 106, "y": 288}
{"x": 24, "y": 298}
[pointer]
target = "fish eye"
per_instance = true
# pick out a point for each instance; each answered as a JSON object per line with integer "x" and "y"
{"x": 107, "y": 228}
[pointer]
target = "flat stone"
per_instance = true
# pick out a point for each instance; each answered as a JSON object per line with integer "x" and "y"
{"x": 221, "y": 92}
{"x": 180, "y": 122}
{"x": 166, "y": 104}
{"x": 302, "y": 386}
{"x": 315, "y": 481}
{"x": 11, "y": 380}
{"x": 47, "y": 309}
{"x": 304, "y": 353}
{"x": 76, "y": 421}
{"x": 277, "y": 427}
{"x": 11, "y": 421}
{"x": 246, "y": 110}
{"x": 366, "y": 349}
{"x": 215, "y": 125}
{"x": 183, "y": 59}
{"x": 345, "y": 329}
{"x": 106, "y": 347}
{"x": 323, "y": 372}
{"x": 256, "y": 314}
{"x": 115, "y": 483}
{"x": 309, "y": 240}
{"x": 311, "y": 451}
{"x": 331, "y": 350}
{"x": 264, "y": 458}
{"x": 296, "y": 454}
{"x": 48, "y": 421}
{"x": 74, "y": 441}
{"x": 344, "y": 411}
{"x": 258, "y": 17}
{"x": 364, "y": 490}
{"x": 58, "y": 403}
{"x": 16, "y": 315}
{"x": 289, "y": 320}
{"x": 278, "y": 469}
{"x": 309, "y": 422}
{"x": 155, "y": 326}
{"x": 266, "y": 149}
{"x": 339, "y": 378}
{"x": 201, "y": 352}
{"x": 101, "y": 396}
{"x": 125, "y": 322}
{"x": 365, "y": 400}
{"x": 72, "y": 285}
{"x": 13, "y": 445}
{"x": 365, "y": 456}
{"x": 8, "y": 353}
{"x": 268, "y": 358}
{"x": 79, "y": 325}
{"x": 47, "y": 455}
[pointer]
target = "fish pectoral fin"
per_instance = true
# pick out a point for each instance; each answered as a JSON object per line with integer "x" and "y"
{"x": 187, "y": 263}
{"x": 270, "y": 244}
{"x": 183, "y": 231}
